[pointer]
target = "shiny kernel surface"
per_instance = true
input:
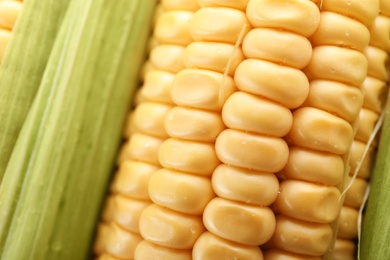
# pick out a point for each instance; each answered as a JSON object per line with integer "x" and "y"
{"x": 380, "y": 33}
{"x": 168, "y": 57}
{"x": 301, "y": 237}
{"x": 132, "y": 179}
{"x": 314, "y": 166}
{"x": 276, "y": 254}
{"x": 211, "y": 247}
{"x": 189, "y": 5}
{"x": 213, "y": 56}
{"x": 237, "y": 4}
{"x": 355, "y": 194}
{"x": 172, "y": 27}
{"x": 149, "y": 118}
{"x": 250, "y": 151}
{"x": 277, "y": 46}
{"x": 248, "y": 112}
{"x": 227, "y": 24}
{"x": 149, "y": 251}
{"x": 338, "y": 64}
{"x": 143, "y": 148}
{"x": 169, "y": 228}
{"x": 308, "y": 202}
{"x": 335, "y": 97}
{"x": 357, "y": 150}
{"x": 9, "y": 12}
{"x": 367, "y": 121}
{"x": 247, "y": 186}
{"x": 202, "y": 89}
{"x": 378, "y": 63}
{"x": 182, "y": 192}
{"x": 193, "y": 124}
{"x": 238, "y": 222}
{"x": 363, "y": 11}
{"x": 281, "y": 84}
{"x": 319, "y": 130}
{"x": 339, "y": 30}
{"x": 121, "y": 243}
{"x": 375, "y": 92}
{"x": 289, "y": 15}
{"x": 188, "y": 156}
{"x": 344, "y": 249}
{"x": 348, "y": 223}
{"x": 157, "y": 86}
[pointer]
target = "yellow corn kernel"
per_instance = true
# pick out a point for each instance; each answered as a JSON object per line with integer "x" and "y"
{"x": 242, "y": 185}
{"x": 344, "y": 249}
{"x": 378, "y": 63}
{"x": 157, "y": 86}
{"x": 348, "y": 220}
{"x": 272, "y": 81}
{"x": 367, "y": 121}
{"x": 202, "y": 89}
{"x": 338, "y": 30}
{"x": 235, "y": 4}
{"x": 121, "y": 244}
{"x": 132, "y": 179}
{"x": 188, "y": 156}
{"x": 378, "y": 36}
{"x": 248, "y": 118}
{"x": 149, "y": 118}
{"x": 227, "y": 24}
{"x": 357, "y": 150}
{"x": 275, "y": 254}
{"x": 337, "y": 64}
{"x": 253, "y": 225}
{"x": 141, "y": 147}
{"x": 172, "y": 27}
{"x": 193, "y": 124}
{"x": 213, "y": 56}
{"x": 274, "y": 14}
{"x": 106, "y": 257}
{"x": 5, "y": 36}
{"x": 375, "y": 92}
{"x": 188, "y": 5}
{"x": 169, "y": 228}
{"x": 99, "y": 247}
{"x": 316, "y": 129}
{"x": 150, "y": 251}
{"x": 355, "y": 194}
{"x": 277, "y": 46}
{"x": 313, "y": 166}
{"x": 301, "y": 237}
{"x": 127, "y": 212}
{"x": 256, "y": 152}
{"x": 337, "y": 98}
{"x": 363, "y": 11}
{"x": 180, "y": 191}
{"x": 211, "y": 247}
{"x": 9, "y": 12}
{"x": 168, "y": 57}
{"x": 308, "y": 201}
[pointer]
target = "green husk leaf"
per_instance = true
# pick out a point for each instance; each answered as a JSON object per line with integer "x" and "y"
{"x": 375, "y": 238}
{"x": 59, "y": 170}
{"x": 23, "y": 65}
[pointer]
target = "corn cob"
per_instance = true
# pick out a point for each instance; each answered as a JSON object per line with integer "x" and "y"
{"x": 63, "y": 150}
{"x": 303, "y": 183}
{"x": 334, "y": 102}
{"x": 375, "y": 91}
{"x": 375, "y": 225}
{"x": 193, "y": 124}
{"x": 138, "y": 160}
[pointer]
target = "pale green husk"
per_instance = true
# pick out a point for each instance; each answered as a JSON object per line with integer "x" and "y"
{"x": 58, "y": 172}
{"x": 375, "y": 240}
{"x": 23, "y": 65}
